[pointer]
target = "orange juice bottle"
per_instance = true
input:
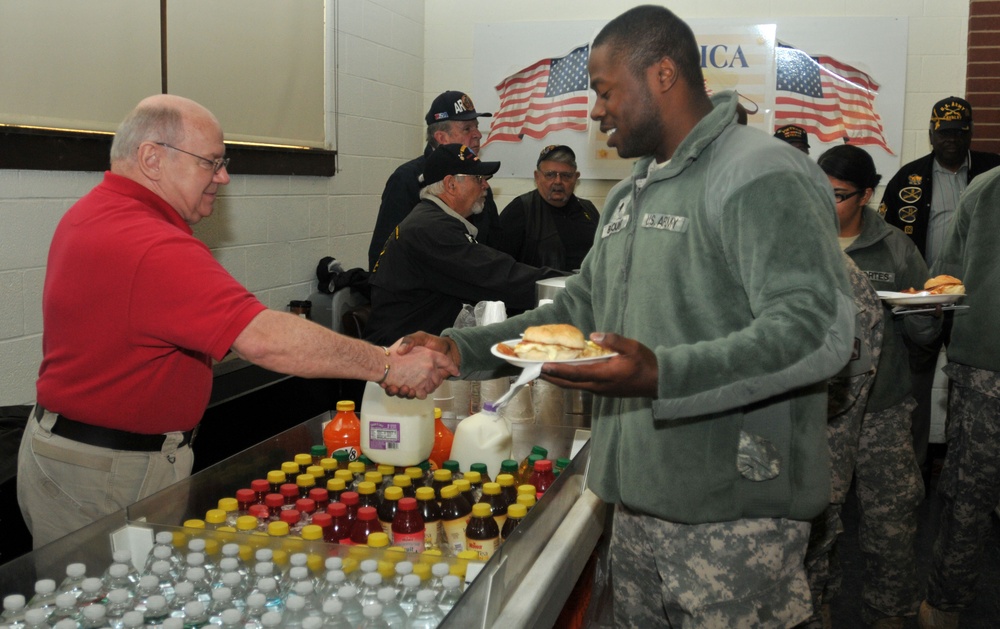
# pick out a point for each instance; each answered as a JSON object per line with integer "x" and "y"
{"x": 443, "y": 439}
{"x": 343, "y": 432}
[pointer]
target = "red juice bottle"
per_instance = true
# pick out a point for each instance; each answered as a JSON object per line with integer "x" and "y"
{"x": 408, "y": 527}
{"x": 340, "y": 524}
{"x": 542, "y": 478}
{"x": 321, "y": 497}
{"x": 260, "y": 488}
{"x": 366, "y": 524}
{"x": 324, "y": 521}
{"x": 245, "y": 498}
{"x": 290, "y": 492}
{"x": 350, "y": 500}
{"x": 274, "y": 503}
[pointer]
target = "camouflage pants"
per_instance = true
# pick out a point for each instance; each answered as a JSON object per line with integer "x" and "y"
{"x": 747, "y": 573}
{"x": 889, "y": 490}
{"x": 969, "y": 488}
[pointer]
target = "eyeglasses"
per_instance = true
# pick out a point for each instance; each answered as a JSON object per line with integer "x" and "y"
{"x": 479, "y": 178}
{"x": 552, "y": 175}
{"x": 217, "y": 164}
{"x": 841, "y": 197}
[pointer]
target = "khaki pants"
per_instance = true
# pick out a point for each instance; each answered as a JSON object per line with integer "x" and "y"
{"x": 63, "y": 485}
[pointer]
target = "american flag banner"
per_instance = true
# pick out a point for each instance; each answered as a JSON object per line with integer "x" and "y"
{"x": 547, "y": 96}
{"x": 829, "y": 99}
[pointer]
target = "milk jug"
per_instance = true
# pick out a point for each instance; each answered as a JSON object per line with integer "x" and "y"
{"x": 395, "y": 431}
{"x": 482, "y": 438}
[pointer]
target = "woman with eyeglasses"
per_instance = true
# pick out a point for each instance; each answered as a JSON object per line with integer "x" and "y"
{"x": 878, "y": 452}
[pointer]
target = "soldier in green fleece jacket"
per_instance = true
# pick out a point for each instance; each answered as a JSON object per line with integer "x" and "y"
{"x": 716, "y": 277}
{"x": 969, "y": 486}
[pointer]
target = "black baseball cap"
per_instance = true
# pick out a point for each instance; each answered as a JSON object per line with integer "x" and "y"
{"x": 452, "y": 105}
{"x": 555, "y": 148}
{"x": 792, "y": 134}
{"x": 455, "y": 159}
{"x": 951, "y": 113}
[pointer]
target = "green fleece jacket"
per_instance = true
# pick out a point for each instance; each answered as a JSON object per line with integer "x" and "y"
{"x": 892, "y": 262}
{"x": 725, "y": 263}
{"x": 971, "y": 254}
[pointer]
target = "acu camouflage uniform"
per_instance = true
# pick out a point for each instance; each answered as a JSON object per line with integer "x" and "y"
{"x": 876, "y": 448}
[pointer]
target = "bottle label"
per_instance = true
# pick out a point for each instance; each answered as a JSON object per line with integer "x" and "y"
{"x": 351, "y": 451}
{"x": 454, "y": 531}
{"x": 386, "y": 527}
{"x": 434, "y": 534}
{"x": 485, "y": 547}
{"x": 412, "y": 542}
{"x": 383, "y": 435}
{"x": 500, "y": 519}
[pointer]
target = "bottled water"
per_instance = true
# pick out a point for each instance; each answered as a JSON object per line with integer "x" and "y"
{"x": 351, "y": 608}
{"x": 373, "y": 618}
{"x": 119, "y": 602}
{"x": 183, "y": 594}
{"x": 75, "y": 574}
{"x": 408, "y": 595}
{"x": 271, "y": 619}
{"x": 304, "y": 590}
{"x": 295, "y": 612}
{"x": 94, "y": 616}
{"x": 65, "y": 608}
{"x": 392, "y": 613}
{"x": 237, "y": 586}
{"x": 333, "y": 617}
{"x": 202, "y": 588}
{"x": 123, "y": 556}
{"x": 403, "y": 568}
{"x": 36, "y": 618}
{"x": 438, "y": 572}
{"x": 91, "y": 591}
{"x": 149, "y": 585}
{"x": 427, "y": 614}
{"x": 450, "y": 593}
{"x": 157, "y": 610}
{"x": 222, "y": 599}
{"x": 195, "y": 615}
{"x": 255, "y": 610}
{"x": 161, "y": 570}
{"x": 45, "y": 596}
{"x": 133, "y": 620}
{"x": 14, "y": 607}
{"x": 163, "y": 550}
{"x": 231, "y": 619}
{"x": 65, "y": 623}
{"x": 331, "y": 583}
{"x": 334, "y": 563}
{"x": 117, "y": 577}
{"x": 371, "y": 584}
{"x": 172, "y": 623}
{"x": 296, "y": 574}
{"x": 269, "y": 588}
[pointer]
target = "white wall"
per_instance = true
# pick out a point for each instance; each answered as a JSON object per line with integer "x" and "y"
{"x": 394, "y": 57}
{"x": 269, "y": 232}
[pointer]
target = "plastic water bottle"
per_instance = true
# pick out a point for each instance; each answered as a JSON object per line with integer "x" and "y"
{"x": 65, "y": 623}
{"x": 75, "y": 574}
{"x": 14, "y": 607}
{"x": 371, "y": 583}
{"x": 450, "y": 593}
{"x": 195, "y": 615}
{"x": 271, "y": 619}
{"x": 392, "y": 613}
{"x": 117, "y": 577}
{"x": 331, "y": 583}
{"x": 347, "y": 595}
{"x": 161, "y": 570}
{"x": 373, "y": 618}
{"x": 183, "y": 594}
{"x": 133, "y": 620}
{"x": 222, "y": 599}
{"x": 37, "y": 618}
{"x": 295, "y": 612}
{"x": 119, "y": 602}
{"x": 408, "y": 593}
{"x": 65, "y": 608}
{"x": 94, "y": 617}
{"x": 231, "y": 619}
{"x": 163, "y": 549}
{"x": 269, "y": 588}
{"x": 44, "y": 598}
{"x": 333, "y": 617}
{"x": 149, "y": 585}
{"x": 427, "y": 615}
{"x": 157, "y": 610}
{"x": 255, "y": 610}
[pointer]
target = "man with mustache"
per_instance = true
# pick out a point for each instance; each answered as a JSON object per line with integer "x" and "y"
{"x": 550, "y": 225}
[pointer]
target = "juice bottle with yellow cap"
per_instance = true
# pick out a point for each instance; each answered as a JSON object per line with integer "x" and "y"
{"x": 430, "y": 511}
{"x": 515, "y": 513}
{"x": 455, "y": 513}
{"x": 388, "y": 507}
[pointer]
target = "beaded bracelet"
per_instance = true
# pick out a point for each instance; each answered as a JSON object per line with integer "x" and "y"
{"x": 385, "y": 374}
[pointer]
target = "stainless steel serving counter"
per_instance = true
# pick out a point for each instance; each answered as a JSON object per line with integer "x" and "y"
{"x": 525, "y": 584}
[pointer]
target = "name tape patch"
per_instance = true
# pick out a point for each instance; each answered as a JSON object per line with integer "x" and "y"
{"x": 666, "y": 221}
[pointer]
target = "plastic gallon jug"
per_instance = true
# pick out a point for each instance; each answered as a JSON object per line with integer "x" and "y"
{"x": 395, "y": 431}
{"x": 482, "y": 438}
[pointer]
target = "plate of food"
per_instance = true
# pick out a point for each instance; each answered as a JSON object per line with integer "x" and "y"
{"x": 556, "y": 343}
{"x": 942, "y": 289}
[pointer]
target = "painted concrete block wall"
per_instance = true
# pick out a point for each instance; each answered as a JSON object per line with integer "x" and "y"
{"x": 269, "y": 232}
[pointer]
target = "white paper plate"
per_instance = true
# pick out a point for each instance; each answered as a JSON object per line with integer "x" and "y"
{"x": 917, "y": 299}
{"x": 522, "y": 362}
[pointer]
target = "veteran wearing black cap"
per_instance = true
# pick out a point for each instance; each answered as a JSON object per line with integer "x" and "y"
{"x": 432, "y": 263}
{"x": 794, "y": 135}
{"x": 921, "y": 200}
{"x": 550, "y": 226}
{"x": 451, "y": 119}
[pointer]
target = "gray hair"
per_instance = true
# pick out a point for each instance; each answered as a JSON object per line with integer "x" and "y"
{"x": 561, "y": 156}
{"x": 444, "y": 125}
{"x": 433, "y": 190}
{"x": 159, "y": 123}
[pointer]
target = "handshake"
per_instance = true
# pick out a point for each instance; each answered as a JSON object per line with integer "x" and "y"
{"x": 418, "y": 363}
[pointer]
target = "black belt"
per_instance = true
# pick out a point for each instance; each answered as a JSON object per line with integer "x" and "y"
{"x": 111, "y": 438}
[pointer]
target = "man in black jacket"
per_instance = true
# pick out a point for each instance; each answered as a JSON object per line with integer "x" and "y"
{"x": 550, "y": 225}
{"x": 432, "y": 263}
{"x": 452, "y": 119}
{"x": 921, "y": 200}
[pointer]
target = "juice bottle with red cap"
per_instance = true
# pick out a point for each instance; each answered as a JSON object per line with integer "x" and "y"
{"x": 366, "y": 524}
{"x": 408, "y": 526}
